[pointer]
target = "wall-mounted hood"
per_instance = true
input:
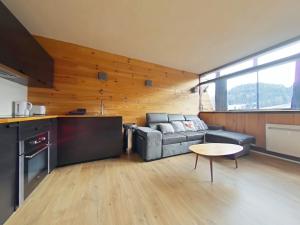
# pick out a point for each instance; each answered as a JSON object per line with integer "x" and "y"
{"x": 13, "y": 75}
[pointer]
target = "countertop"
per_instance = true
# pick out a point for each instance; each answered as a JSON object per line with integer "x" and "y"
{"x": 24, "y": 119}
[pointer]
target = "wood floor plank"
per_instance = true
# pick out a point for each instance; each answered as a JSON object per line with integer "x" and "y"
{"x": 127, "y": 191}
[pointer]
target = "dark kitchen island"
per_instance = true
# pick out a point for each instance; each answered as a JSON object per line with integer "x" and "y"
{"x": 88, "y": 138}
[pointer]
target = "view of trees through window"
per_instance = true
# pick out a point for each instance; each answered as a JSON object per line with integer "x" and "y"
{"x": 271, "y": 88}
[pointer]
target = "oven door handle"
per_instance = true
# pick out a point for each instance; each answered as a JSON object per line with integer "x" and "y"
{"x": 38, "y": 152}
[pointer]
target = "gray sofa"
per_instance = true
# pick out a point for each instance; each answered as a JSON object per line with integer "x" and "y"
{"x": 151, "y": 143}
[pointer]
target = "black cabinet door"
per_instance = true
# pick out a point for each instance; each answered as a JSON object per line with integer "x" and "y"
{"x": 30, "y": 129}
{"x": 20, "y": 51}
{"x": 88, "y": 138}
{"x": 8, "y": 169}
{"x": 53, "y": 146}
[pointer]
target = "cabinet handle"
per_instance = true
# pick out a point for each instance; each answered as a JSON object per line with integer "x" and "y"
{"x": 36, "y": 153}
{"x": 12, "y": 125}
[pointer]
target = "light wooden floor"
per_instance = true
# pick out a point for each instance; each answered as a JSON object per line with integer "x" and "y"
{"x": 122, "y": 191}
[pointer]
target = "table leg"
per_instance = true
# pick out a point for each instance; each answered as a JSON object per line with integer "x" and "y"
{"x": 236, "y": 163}
{"x": 211, "y": 170}
{"x": 196, "y": 161}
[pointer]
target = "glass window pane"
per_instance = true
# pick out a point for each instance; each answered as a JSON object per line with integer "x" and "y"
{"x": 242, "y": 92}
{"x": 207, "y": 96}
{"x": 276, "y": 86}
{"x": 279, "y": 53}
{"x": 237, "y": 67}
{"x": 207, "y": 77}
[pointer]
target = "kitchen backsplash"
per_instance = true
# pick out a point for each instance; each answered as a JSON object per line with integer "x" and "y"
{"x": 10, "y": 92}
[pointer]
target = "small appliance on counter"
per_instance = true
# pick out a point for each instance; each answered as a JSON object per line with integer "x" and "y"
{"x": 22, "y": 108}
{"x": 38, "y": 110}
{"x": 79, "y": 111}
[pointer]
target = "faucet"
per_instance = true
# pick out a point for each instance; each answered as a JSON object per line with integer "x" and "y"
{"x": 101, "y": 107}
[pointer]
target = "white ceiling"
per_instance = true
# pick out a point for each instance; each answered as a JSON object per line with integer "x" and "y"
{"x": 191, "y": 35}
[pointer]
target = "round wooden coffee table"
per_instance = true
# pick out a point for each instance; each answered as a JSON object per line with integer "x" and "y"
{"x": 212, "y": 150}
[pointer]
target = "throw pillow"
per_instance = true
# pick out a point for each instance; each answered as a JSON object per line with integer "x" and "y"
{"x": 154, "y": 126}
{"x": 189, "y": 125}
{"x": 178, "y": 126}
{"x": 204, "y": 125}
{"x": 166, "y": 128}
{"x": 200, "y": 124}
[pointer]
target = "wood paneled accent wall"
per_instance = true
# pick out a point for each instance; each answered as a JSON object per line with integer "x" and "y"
{"x": 251, "y": 123}
{"x": 124, "y": 93}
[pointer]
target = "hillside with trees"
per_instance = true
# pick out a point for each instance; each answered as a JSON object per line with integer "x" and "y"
{"x": 269, "y": 95}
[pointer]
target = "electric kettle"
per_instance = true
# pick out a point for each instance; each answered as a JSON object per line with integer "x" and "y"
{"x": 22, "y": 108}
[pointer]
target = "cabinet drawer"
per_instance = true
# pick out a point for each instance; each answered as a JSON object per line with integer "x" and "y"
{"x": 32, "y": 128}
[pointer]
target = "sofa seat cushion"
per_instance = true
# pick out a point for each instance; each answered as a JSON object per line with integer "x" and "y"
{"x": 173, "y": 138}
{"x": 223, "y": 136}
{"x": 193, "y": 135}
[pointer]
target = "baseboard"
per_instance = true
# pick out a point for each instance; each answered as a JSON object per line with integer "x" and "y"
{"x": 264, "y": 151}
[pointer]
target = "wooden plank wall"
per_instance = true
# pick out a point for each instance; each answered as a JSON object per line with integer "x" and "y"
{"x": 251, "y": 123}
{"x": 124, "y": 93}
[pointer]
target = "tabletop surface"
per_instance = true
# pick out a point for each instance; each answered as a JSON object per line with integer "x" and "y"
{"x": 216, "y": 149}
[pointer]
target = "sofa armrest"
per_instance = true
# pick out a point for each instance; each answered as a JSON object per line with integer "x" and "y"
{"x": 215, "y": 127}
{"x": 148, "y": 143}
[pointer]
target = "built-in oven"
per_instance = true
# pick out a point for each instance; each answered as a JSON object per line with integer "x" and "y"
{"x": 33, "y": 163}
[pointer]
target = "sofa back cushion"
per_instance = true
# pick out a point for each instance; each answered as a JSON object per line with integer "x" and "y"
{"x": 166, "y": 128}
{"x": 189, "y": 125}
{"x": 191, "y": 117}
{"x": 154, "y": 119}
{"x": 176, "y": 117}
{"x": 178, "y": 126}
{"x": 157, "y": 118}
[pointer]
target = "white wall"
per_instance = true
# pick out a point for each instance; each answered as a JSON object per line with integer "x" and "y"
{"x": 9, "y": 92}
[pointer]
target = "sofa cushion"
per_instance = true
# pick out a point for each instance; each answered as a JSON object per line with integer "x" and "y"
{"x": 200, "y": 125}
{"x": 223, "y": 136}
{"x": 193, "y": 135}
{"x": 154, "y": 126}
{"x": 189, "y": 125}
{"x": 166, "y": 128}
{"x": 157, "y": 118}
{"x": 173, "y": 138}
{"x": 178, "y": 126}
{"x": 176, "y": 117}
{"x": 191, "y": 117}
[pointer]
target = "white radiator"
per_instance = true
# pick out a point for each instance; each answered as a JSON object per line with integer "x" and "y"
{"x": 284, "y": 139}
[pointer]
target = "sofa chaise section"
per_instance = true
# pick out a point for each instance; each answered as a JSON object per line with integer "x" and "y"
{"x": 217, "y": 134}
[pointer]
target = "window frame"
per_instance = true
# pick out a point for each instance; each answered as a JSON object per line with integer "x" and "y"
{"x": 256, "y": 68}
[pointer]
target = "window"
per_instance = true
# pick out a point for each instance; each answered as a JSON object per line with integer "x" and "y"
{"x": 242, "y": 92}
{"x": 237, "y": 67}
{"x": 207, "y": 97}
{"x": 276, "y": 86}
{"x": 283, "y": 52}
{"x": 207, "y": 77}
{"x": 268, "y": 81}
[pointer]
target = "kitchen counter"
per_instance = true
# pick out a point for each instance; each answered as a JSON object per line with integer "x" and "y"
{"x": 24, "y": 119}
